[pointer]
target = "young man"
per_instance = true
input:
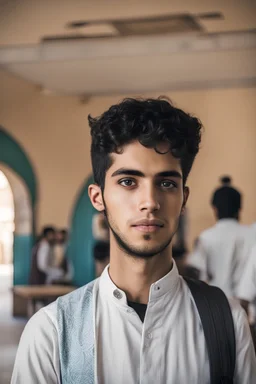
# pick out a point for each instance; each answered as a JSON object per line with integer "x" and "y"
{"x": 138, "y": 322}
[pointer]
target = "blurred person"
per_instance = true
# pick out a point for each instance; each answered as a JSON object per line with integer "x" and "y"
{"x": 221, "y": 250}
{"x": 61, "y": 259}
{"x": 138, "y": 322}
{"x": 227, "y": 198}
{"x": 42, "y": 264}
{"x": 100, "y": 232}
{"x": 60, "y": 247}
{"x": 246, "y": 290}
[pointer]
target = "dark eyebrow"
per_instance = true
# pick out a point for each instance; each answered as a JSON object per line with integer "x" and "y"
{"x": 130, "y": 172}
{"x": 169, "y": 174}
{"x": 134, "y": 172}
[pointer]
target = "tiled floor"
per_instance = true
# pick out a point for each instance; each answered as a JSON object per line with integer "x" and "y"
{"x": 10, "y": 328}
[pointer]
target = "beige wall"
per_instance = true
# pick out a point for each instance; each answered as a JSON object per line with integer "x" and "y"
{"x": 54, "y": 132}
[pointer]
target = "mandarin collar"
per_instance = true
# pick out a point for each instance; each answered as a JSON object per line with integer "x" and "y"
{"x": 167, "y": 284}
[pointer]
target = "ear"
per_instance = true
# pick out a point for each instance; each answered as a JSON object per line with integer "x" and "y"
{"x": 185, "y": 199}
{"x": 95, "y": 194}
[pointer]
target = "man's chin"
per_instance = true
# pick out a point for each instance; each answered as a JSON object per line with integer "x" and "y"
{"x": 145, "y": 252}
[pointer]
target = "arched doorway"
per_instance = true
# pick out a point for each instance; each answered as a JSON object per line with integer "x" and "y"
{"x": 6, "y": 221}
{"x": 6, "y": 233}
{"x": 23, "y": 225}
{"x": 81, "y": 238}
{"x": 16, "y": 166}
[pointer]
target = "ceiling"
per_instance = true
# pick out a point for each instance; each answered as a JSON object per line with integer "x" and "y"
{"x": 220, "y": 52}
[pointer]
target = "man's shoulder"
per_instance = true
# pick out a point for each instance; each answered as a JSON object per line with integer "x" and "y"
{"x": 43, "y": 244}
{"x": 71, "y": 301}
{"x": 208, "y": 233}
{"x": 233, "y": 228}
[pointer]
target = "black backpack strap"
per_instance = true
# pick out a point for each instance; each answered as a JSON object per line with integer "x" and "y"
{"x": 217, "y": 321}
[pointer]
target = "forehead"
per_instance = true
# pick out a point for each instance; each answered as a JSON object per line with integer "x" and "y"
{"x": 147, "y": 160}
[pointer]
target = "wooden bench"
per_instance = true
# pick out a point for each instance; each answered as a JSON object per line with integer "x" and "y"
{"x": 25, "y": 297}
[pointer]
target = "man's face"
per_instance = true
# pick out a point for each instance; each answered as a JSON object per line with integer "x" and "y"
{"x": 143, "y": 199}
{"x": 51, "y": 237}
{"x": 60, "y": 237}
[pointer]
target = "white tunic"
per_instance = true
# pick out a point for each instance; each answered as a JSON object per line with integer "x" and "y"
{"x": 221, "y": 254}
{"x": 45, "y": 261}
{"x": 169, "y": 347}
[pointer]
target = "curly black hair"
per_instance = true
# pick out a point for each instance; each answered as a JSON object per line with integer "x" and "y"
{"x": 150, "y": 121}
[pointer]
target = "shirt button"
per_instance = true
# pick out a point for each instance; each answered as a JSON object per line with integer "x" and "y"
{"x": 118, "y": 295}
{"x": 149, "y": 335}
{"x": 129, "y": 310}
{"x": 156, "y": 287}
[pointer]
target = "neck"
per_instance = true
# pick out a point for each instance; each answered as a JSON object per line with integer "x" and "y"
{"x": 134, "y": 275}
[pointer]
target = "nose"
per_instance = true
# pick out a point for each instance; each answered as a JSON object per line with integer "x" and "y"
{"x": 149, "y": 201}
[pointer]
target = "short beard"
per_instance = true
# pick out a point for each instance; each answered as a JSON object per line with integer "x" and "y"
{"x": 133, "y": 251}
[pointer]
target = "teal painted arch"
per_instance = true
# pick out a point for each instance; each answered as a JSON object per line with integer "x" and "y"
{"x": 13, "y": 156}
{"x": 81, "y": 238}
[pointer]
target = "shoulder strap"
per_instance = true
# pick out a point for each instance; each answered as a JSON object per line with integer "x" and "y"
{"x": 217, "y": 321}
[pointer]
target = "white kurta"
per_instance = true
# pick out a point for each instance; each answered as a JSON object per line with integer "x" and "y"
{"x": 45, "y": 261}
{"x": 221, "y": 253}
{"x": 169, "y": 347}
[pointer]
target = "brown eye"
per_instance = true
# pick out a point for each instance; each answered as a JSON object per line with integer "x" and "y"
{"x": 127, "y": 183}
{"x": 167, "y": 184}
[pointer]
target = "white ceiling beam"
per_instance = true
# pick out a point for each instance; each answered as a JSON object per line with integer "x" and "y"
{"x": 126, "y": 47}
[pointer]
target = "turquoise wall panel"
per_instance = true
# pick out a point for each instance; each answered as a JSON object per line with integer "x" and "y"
{"x": 21, "y": 258}
{"x": 12, "y": 154}
{"x": 81, "y": 238}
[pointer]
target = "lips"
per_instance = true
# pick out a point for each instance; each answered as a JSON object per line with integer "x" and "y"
{"x": 146, "y": 225}
{"x": 147, "y": 228}
{"x": 147, "y": 222}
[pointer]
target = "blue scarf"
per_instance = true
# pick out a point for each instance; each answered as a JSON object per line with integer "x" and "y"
{"x": 75, "y": 317}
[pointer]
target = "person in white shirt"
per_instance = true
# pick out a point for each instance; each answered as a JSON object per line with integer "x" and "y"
{"x": 221, "y": 251}
{"x": 43, "y": 270}
{"x": 60, "y": 259}
{"x": 138, "y": 322}
{"x": 60, "y": 247}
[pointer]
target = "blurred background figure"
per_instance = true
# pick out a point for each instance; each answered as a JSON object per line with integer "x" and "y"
{"x": 60, "y": 247}
{"x": 61, "y": 260}
{"x": 220, "y": 251}
{"x": 49, "y": 263}
{"x": 226, "y": 200}
{"x": 42, "y": 270}
{"x": 101, "y": 246}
